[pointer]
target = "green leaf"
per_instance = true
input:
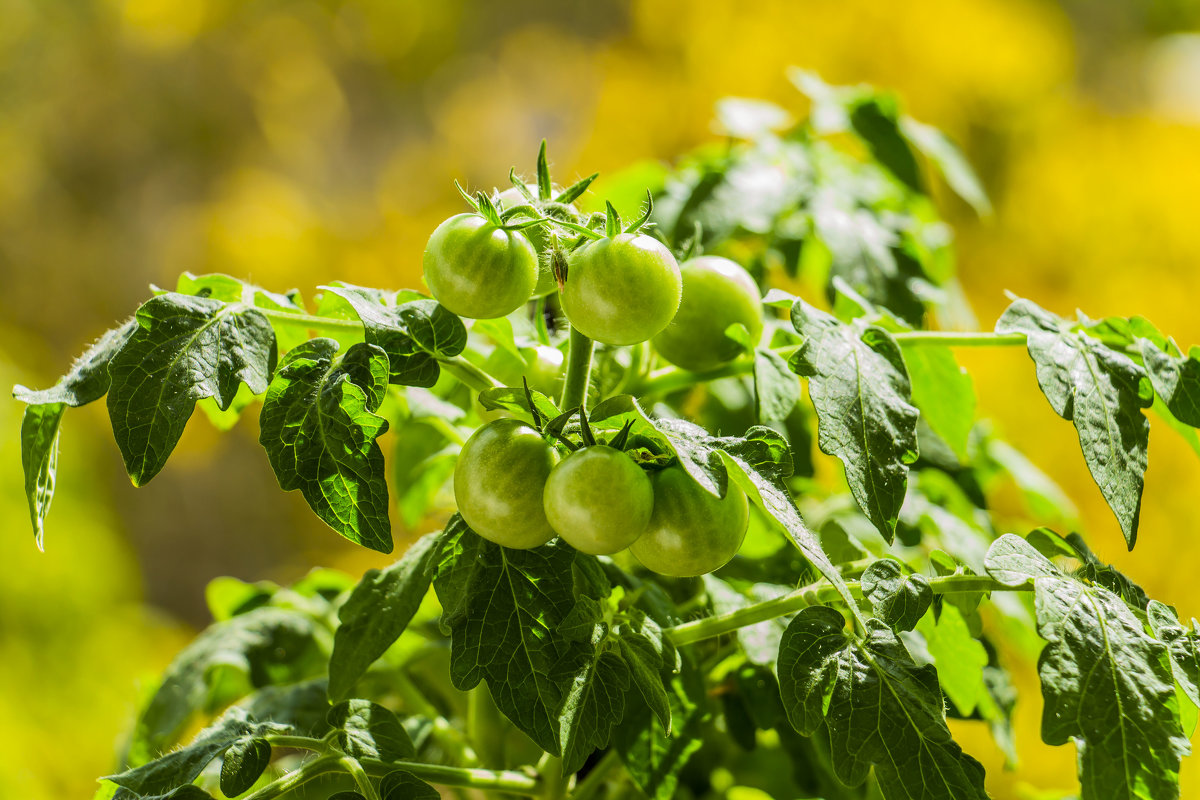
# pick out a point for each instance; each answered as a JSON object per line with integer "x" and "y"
{"x": 944, "y": 155}
{"x": 653, "y": 757}
{"x": 647, "y": 652}
{"x": 876, "y": 706}
{"x": 39, "y": 459}
{"x": 876, "y": 120}
{"x": 422, "y": 462}
{"x": 776, "y": 389}
{"x": 503, "y": 609}
{"x": 184, "y": 349}
{"x": 1106, "y": 683}
{"x": 944, "y": 393}
{"x": 1183, "y": 644}
{"x": 960, "y": 658}
{"x": 595, "y": 697}
{"x": 1103, "y": 393}
{"x": 319, "y": 428}
{"x": 87, "y": 379}
{"x": 245, "y": 760}
{"x": 376, "y": 613}
{"x": 182, "y": 766}
{"x": 414, "y": 335}
{"x": 301, "y": 705}
{"x": 516, "y": 400}
{"x": 224, "y": 663}
{"x": 900, "y": 599}
{"x": 860, "y": 390}
{"x": 369, "y": 730}
{"x": 401, "y": 785}
{"x": 1176, "y": 379}
{"x": 185, "y": 792}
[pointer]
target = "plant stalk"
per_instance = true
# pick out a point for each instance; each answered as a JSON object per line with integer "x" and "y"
{"x": 579, "y": 371}
{"x": 815, "y": 594}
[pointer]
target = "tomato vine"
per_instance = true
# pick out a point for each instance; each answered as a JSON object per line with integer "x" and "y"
{"x": 836, "y": 626}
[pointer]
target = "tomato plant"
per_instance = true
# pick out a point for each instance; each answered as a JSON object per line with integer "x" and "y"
{"x": 752, "y": 625}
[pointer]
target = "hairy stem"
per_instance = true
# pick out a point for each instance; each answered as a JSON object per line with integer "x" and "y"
{"x": 959, "y": 339}
{"x": 579, "y": 370}
{"x": 814, "y": 594}
{"x": 509, "y": 781}
{"x": 309, "y": 321}
{"x": 468, "y": 373}
{"x": 306, "y": 772}
{"x": 365, "y": 787}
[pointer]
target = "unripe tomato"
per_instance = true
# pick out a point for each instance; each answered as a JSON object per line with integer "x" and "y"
{"x": 622, "y": 289}
{"x": 717, "y": 293}
{"x": 690, "y": 531}
{"x": 499, "y": 480}
{"x": 598, "y": 500}
{"x": 478, "y": 270}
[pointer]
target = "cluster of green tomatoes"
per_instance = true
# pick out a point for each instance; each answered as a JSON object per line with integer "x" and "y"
{"x": 619, "y": 287}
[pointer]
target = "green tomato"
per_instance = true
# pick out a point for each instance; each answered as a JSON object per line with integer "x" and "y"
{"x": 598, "y": 500}
{"x": 498, "y": 483}
{"x": 691, "y": 532}
{"x": 478, "y": 270}
{"x": 717, "y": 293}
{"x": 622, "y": 289}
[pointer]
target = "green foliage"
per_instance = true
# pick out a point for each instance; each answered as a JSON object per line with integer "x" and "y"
{"x": 821, "y": 661}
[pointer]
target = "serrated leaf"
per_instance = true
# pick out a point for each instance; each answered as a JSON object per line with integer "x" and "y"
{"x": 776, "y": 389}
{"x": 414, "y": 334}
{"x": 185, "y": 348}
{"x": 643, "y": 647}
{"x": 1176, "y": 379}
{"x": 369, "y": 730}
{"x": 1103, "y": 393}
{"x": 503, "y": 609}
{"x": 180, "y": 767}
{"x": 401, "y": 785}
{"x": 860, "y": 390}
{"x": 654, "y": 759}
{"x": 40, "y": 428}
{"x": 376, "y": 613}
{"x": 245, "y": 760}
{"x": 1014, "y": 562}
{"x": 224, "y": 663}
{"x": 877, "y": 707}
{"x": 319, "y": 428}
{"x": 944, "y": 393}
{"x": 594, "y": 701}
{"x": 301, "y": 705}
{"x": 944, "y": 155}
{"x": 1183, "y": 645}
{"x": 1108, "y": 686}
{"x": 87, "y": 379}
{"x": 900, "y": 599}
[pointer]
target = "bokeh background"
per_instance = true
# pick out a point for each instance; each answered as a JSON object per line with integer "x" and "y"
{"x": 294, "y": 143}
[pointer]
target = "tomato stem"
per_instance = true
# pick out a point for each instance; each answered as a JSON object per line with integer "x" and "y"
{"x": 579, "y": 371}
{"x": 816, "y": 594}
{"x": 959, "y": 338}
{"x": 591, "y": 784}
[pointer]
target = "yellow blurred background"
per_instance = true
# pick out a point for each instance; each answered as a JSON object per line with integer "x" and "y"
{"x": 302, "y": 142}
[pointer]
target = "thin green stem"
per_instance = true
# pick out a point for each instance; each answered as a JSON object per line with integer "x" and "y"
{"x": 296, "y": 742}
{"x": 309, "y": 321}
{"x": 959, "y": 338}
{"x": 595, "y": 779}
{"x": 509, "y": 781}
{"x": 670, "y": 379}
{"x": 554, "y": 781}
{"x": 814, "y": 594}
{"x": 361, "y": 779}
{"x": 305, "y": 773}
{"x": 579, "y": 370}
{"x": 468, "y": 373}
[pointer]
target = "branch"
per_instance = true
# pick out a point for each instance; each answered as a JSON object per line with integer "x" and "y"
{"x": 815, "y": 594}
